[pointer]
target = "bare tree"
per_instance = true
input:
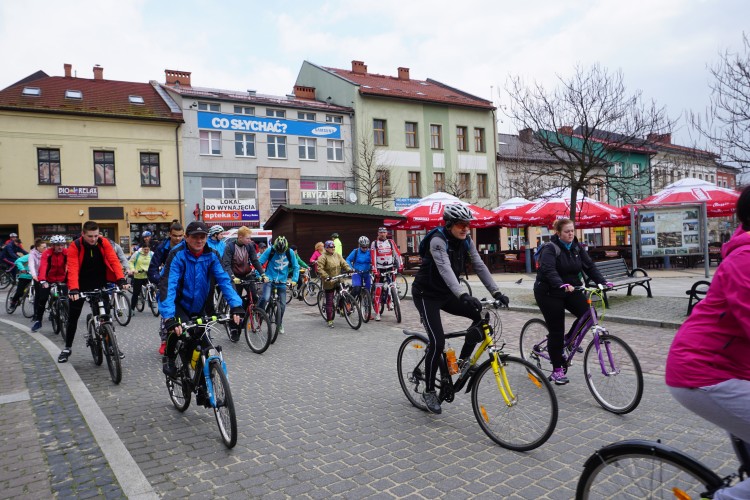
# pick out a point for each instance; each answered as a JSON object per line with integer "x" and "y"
{"x": 371, "y": 174}
{"x": 582, "y": 122}
{"x": 726, "y": 120}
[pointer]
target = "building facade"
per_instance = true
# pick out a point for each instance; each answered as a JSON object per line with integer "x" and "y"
{"x": 74, "y": 149}
{"x": 246, "y": 153}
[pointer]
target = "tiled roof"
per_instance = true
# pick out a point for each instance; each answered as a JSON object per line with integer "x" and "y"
{"x": 372, "y": 84}
{"x": 253, "y": 98}
{"x": 675, "y": 149}
{"x": 99, "y": 98}
{"x": 510, "y": 147}
{"x": 335, "y": 211}
{"x": 617, "y": 141}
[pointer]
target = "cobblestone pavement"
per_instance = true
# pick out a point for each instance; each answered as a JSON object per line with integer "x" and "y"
{"x": 321, "y": 414}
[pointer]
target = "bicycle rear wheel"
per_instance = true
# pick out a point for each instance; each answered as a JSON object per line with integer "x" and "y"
{"x": 111, "y": 352}
{"x": 396, "y": 307}
{"x": 27, "y": 302}
{"x": 644, "y": 469}
{"x": 9, "y": 307}
{"x": 310, "y": 293}
{"x": 402, "y": 284}
{"x": 290, "y": 293}
{"x": 179, "y": 391}
{"x": 63, "y": 311}
{"x": 528, "y": 418}
{"x": 533, "y": 345}
{"x": 322, "y": 304}
{"x": 94, "y": 343}
{"x": 122, "y": 309}
{"x": 621, "y": 388}
{"x": 351, "y": 311}
{"x": 258, "y": 331}
{"x": 140, "y": 304}
{"x": 411, "y": 371}
{"x": 224, "y": 404}
{"x": 365, "y": 304}
{"x": 6, "y": 279}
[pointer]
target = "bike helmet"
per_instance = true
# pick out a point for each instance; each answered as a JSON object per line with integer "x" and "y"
{"x": 57, "y": 240}
{"x": 146, "y": 234}
{"x": 335, "y": 235}
{"x": 280, "y": 245}
{"x": 329, "y": 244}
{"x": 457, "y": 213}
{"x": 364, "y": 241}
{"x": 215, "y": 230}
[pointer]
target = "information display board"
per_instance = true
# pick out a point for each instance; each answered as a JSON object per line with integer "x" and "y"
{"x": 670, "y": 230}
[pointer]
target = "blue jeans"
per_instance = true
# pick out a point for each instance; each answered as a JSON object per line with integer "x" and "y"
{"x": 281, "y": 287}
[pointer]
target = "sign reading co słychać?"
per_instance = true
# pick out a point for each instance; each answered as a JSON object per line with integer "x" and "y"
{"x": 217, "y": 210}
{"x": 217, "y": 121}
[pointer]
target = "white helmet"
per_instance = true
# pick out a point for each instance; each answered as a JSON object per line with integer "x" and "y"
{"x": 457, "y": 213}
{"x": 215, "y": 230}
{"x": 364, "y": 241}
{"x": 57, "y": 239}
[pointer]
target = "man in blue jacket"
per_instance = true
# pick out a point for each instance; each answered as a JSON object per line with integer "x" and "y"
{"x": 185, "y": 286}
{"x": 280, "y": 259}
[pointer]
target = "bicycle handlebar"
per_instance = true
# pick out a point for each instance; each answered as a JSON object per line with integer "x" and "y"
{"x": 491, "y": 304}
{"x": 598, "y": 288}
{"x": 339, "y": 276}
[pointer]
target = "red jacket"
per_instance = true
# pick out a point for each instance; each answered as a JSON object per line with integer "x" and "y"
{"x": 52, "y": 266}
{"x": 75, "y": 258}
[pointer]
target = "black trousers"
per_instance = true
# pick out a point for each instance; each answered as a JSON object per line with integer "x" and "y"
{"x": 21, "y": 285}
{"x": 138, "y": 284}
{"x": 553, "y": 309}
{"x": 429, "y": 312}
{"x": 42, "y": 295}
{"x": 76, "y": 306}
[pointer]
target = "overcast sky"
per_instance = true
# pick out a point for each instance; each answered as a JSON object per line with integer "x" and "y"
{"x": 663, "y": 47}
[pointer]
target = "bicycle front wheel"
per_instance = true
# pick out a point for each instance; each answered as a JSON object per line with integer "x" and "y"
{"x": 291, "y": 293}
{"x": 533, "y": 344}
{"x": 644, "y": 469}
{"x": 94, "y": 343}
{"x": 615, "y": 379}
{"x": 179, "y": 392}
{"x": 122, "y": 309}
{"x": 6, "y": 279}
{"x": 140, "y": 304}
{"x": 111, "y": 352}
{"x": 352, "y": 312}
{"x": 223, "y": 404}
{"x": 396, "y": 307}
{"x": 402, "y": 284}
{"x": 527, "y": 418}
{"x": 152, "y": 303}
{"x": 465, "y": 286}
{"x": 310, "y": 293}
{"x": 258, "y": 331}
{"x": 9, "y": 307}
{"x": 322, "y": 304}
{"x": 27, "y": 303}
{"x": 411, "y": 370}
{"x": 365, "y": 304}
{"x": 273, "y": 320}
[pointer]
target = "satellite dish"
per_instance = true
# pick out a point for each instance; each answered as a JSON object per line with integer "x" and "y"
{"x": 352, "y": 197}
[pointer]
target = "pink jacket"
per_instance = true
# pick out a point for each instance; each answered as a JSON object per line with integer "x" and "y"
{"x": 713, "y": 344}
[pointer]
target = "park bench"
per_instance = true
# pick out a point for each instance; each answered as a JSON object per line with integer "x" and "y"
{"x": 696, "y": 294}
{"x": 616, "y": 271}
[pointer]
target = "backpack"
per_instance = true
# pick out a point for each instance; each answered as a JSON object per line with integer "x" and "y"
{"x": 424, "y": 245}
{"x": 539, "y": 250}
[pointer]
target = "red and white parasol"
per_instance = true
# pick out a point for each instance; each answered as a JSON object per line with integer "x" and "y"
{"x": 428, "y": 213}
{"x": 720, "y": 202}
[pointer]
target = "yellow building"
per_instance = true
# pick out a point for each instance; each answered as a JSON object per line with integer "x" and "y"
{"x": 77, "y": 149}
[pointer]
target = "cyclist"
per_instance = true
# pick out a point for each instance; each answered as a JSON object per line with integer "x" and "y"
{"x": 215, "y": 239}
{"x": 444, "y": 252}
{"x": 124, "y": 262}
{"x": 561, "y": 262}
{"x": 11, "y": 251}
{"x": 35, "y": 257}
{"x": 708, "y": 365}
{"x": 185, "y": 285}
{"x": 23, "y": 279}
{"x": 138, "y": 269}
{"x": 92, "y": 263}
{"x": 360, "y": 260}
{"x": 302, "y": 267}
{"x": 145, "y": 241}
{"x": 52, "y": 269}
{"x": 155, "y": 268}
{"x": 241, "y": 263}
{"x": 314, "y": 257}
{"x": 281, "y": 260}
{"x": 337, "y": 242}
{"x": 329, "y": 264}
{"x": 385, "y": 257}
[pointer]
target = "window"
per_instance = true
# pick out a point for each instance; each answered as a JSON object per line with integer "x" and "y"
{"x": 244, "y": 144}
{"x": 279, "y": 191}
{"x": 31, "y": 91}
{"x": 335, "y": 150}
{"x": 439, "y": 181}
{"x": 307, "y": 148}
{"x": 379, "y": 132}
{"x": 48, "y": 165}
{"x": 619, "y": 201}
{"x": 482, "y": 186}
{"x": 308, "y": 117}
{"x": 229, "y": 188}
{"x": 276, "y": 113}
{"x": 464, "y": 185}
{"x": 322, "y": 192}
{"x": 150, "y": 174}
{"x": 74, "y": 94}
{"x": 334, "y": 119}
{"x": 414, "y": 185}
{"x": 636, "y": 171}
{"x": 461, "y": 139}
{"x": 136, "y": 99}
{"x": 276, "y": 146}
{"x": 384, "y": 183}
{"x": 411, "y": 135}
{"x": 436, "y": 136}
{"x": 209, "y": 106}
{"x": 479, "y": 145}
{"x": 104, "y": 168}
{"x": 244, "y": 110}
{"x": 617, "y": 169}
{"x": 210, "y": 142}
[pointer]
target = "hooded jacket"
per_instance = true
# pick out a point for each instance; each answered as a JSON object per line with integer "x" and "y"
{"x": 280, "y": 264}
{"x": 713, "y": 344}
{"x": 557, "y": 269}
{"x": 53, "y": 266}
{"x": 75, "y": 258}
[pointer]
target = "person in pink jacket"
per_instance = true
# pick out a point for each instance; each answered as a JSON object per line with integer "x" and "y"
{"x": 708, "y": 365}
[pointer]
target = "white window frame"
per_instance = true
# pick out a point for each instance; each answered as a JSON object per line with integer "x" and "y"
{"x": 335, "y": 150}
{"x": 275, "y": 143}
{"x": 334, "y": 119}
{"x": 617, "y": 168}
{"x": 439, "y": 128}
{"x": 275, "y": 113}
{"x": 636, "y": 170}
{"x": 212, "y": 137}
{"x": 244, "y": 139}
{"x": 244, "y": 110}
{"x": 305, "y": 116}
{"x": 213, "y": 107}
{"x": 307, "y": 147}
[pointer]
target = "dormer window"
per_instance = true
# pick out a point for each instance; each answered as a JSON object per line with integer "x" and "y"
{"x": 74, "y": 94}
{"x": 31, "y": 91}
{"x": 136, "y": 99}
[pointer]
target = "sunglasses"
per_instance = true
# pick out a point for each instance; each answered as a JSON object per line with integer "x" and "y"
{"x": 463, "y": 225}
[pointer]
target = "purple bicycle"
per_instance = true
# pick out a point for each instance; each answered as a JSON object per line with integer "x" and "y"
{"x": 612, "y": 372}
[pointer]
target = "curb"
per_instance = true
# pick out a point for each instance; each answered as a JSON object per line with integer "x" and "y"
{"x": 612, "y": 318}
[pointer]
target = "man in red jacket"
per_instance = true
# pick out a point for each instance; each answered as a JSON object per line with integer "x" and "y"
{"x": 52, "y": 269}
{"x": 92, "y": 263}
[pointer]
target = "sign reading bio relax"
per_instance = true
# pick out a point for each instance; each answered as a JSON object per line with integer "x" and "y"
{"x": 216, "y": 210}
{"x": 236, "y": 123}
{"x": 77, "y": 192}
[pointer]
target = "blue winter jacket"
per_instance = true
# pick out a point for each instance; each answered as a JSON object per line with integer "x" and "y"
{"x": 219, "y": 246}
{"x": 186, "y": 280}
{"x": 157, "y": 260}
{"x": 359, "y": 260}
{"x": 278, "y": 267}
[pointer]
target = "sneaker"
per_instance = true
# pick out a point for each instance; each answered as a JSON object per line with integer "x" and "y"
{"x": 112, "y": 352}
{"x": 64, "y": 355}
{"x": 432, "y": 402}
{"x": 36, "y": 326}
{"x": 558, "y": 377}
{"x": 13, "y": 304}
{"x": 162, "y": 348}
{"x": 234, "y": 335}
{"x": 168, "y": 367}
{"x": 280, "y": 329}
{"x": 299, "y": 297}
{"x": 330, "y": 324}
{"x": 377, "y": 316}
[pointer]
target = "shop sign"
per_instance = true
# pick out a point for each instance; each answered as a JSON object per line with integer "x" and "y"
{"x": 218, "y": 121}
{"x": 217, "y": 210}
{"x": 150, "y": 213}
{"x": 77, "y": 192}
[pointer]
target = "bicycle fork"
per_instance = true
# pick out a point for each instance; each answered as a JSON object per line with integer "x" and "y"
{"x": 207, "y": 376}
{"x": 610, "y": 362}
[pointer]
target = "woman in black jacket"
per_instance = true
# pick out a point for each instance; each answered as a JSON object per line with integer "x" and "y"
{"x": 560, "y": 264}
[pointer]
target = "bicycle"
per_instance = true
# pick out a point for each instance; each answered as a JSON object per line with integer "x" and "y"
{"x": 7, "y": 277}
{"x": 101, "y": 338}
{"x": 364, "y": 298}
{"x": 610, "y": 367}
{"x": 201, "y": 370}
{"x": 148, "y": 295}
{"x": 392, "y": 295}
{"x": 513, "y": 401}
{"x": 310, "y": 288}
{"x": 343, "y": 302}
{"x": 120, "y": 306}
{"x": 273, "y": 309}
{"x": 402, "y": 285}
{"x": 59, "y": 308}
{"x": 26, "y": 302}
{"x": 649, "y": 469}
{"x": 256, "y": 324}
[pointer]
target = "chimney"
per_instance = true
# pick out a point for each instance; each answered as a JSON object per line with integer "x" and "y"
{"x": 302, "y": 92}
{"x": 660, "y": 138}
{"x": 403, "y": 73}
{"x": 98, "y": 72}
{"x": 177, "y": 78}
{"x": 68, "y": 70}
{"x": 565, "y": 130}
{"x": 359, "y": 67}
{"x": 526, "y": 135}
